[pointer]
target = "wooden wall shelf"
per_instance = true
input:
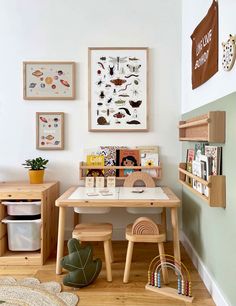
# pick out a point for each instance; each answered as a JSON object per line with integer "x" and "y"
{"x": 216, "y": 185}
{"x": 209, "y": 127}
{"x": 47, "y": 193}
{"x": 84, "y": 167}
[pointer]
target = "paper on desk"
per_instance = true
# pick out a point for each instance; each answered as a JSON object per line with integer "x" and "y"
{"x": 148, "y": 194}
{"x": 82, "y": 193}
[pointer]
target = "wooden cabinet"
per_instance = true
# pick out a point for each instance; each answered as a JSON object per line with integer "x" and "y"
{"x": 84, "y": 168}
{"x": 215, "y": 184}
{"x": 209, "y": 127}
{"x": 47, "y": 193}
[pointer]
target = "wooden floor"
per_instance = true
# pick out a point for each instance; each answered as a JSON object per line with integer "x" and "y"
{"x": 102, "y": 293}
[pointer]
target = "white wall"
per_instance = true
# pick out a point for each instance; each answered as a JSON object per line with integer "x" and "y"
{"x": 63, "y": 30}
{"x": 222, "y": 83}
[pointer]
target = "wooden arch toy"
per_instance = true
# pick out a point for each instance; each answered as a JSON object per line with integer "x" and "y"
{"x": 184, "y": 286}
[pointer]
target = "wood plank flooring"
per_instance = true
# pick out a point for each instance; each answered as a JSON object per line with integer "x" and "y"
{"x": 102, "y": 293}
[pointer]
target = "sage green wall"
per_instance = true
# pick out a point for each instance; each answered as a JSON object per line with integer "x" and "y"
{"x": 212, "y": 231}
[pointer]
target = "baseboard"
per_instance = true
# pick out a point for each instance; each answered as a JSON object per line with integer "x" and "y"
{"x": 207, "y": 278}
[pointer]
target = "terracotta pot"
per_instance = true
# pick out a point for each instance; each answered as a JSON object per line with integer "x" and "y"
{"x": 36, "y": 176}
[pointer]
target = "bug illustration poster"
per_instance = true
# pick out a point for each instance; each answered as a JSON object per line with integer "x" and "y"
{"x": 118, "y": 89}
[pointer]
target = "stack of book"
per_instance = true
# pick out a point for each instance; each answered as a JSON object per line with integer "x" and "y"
{"x": 204, "y": 160}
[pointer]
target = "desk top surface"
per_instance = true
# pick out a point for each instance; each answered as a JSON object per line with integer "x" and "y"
{"x": 118, "y": 197}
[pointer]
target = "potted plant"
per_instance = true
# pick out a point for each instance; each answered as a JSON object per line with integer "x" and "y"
{"x": 36, "y": 169}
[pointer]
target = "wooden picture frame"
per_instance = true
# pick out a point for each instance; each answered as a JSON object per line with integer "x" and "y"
{"x": 118, "y": 89}
{"x": 50, "y": 130}
{"x": 49, "y": 80}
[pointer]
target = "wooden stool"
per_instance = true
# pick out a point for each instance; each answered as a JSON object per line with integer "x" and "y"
{"x": 97, "y": 232}
{"x": 144, "y": 230}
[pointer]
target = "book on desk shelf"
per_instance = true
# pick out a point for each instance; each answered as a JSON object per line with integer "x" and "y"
{"x": 109, "y": 153}
{"x": 95, "y": 160}
{"x": 149, "y": 156}
{"x": 127, "y": 157}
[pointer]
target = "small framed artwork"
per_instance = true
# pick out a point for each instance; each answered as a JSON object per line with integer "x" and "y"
{"x": 49, "y": 80}
{"x": 50, "y": 131}
{"x": 118, "y": 89}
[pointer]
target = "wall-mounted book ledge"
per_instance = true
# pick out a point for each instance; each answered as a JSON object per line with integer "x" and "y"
{"x": 209, "y": 127}
{"x": 215, "y": 186}
{"x": 154, "y": 171}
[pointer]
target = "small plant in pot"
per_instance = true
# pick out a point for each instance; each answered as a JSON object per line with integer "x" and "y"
{"x": 36, "y": 169}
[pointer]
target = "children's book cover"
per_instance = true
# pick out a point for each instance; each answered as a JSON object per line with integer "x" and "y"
{"x": 215, "y": 153}
{"x": 149, "y": 159}
{"x": 128, "y": 157}
{"x": 109, "y": 153}
{"x": 188, "y": 179}
{"x": 199, "y": 149}
{"x": 197, "y": 170}
{"x": 190, "y": 155}
{"x": 95, "y": 160}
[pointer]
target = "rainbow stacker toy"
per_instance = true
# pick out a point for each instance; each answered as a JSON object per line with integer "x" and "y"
{"x": 184, "y": 286}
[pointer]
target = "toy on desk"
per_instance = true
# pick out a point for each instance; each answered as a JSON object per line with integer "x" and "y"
{"x": 83, "y": 270}
{"x": 184, "y": 286}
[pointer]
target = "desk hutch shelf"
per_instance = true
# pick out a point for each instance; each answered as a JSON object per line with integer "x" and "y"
{"x": 47, "y": 193}
{"x": 209, "y": 127}
{"x": 84, "y": 168}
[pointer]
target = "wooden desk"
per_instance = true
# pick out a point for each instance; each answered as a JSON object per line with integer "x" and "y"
{"x": 121, "y": 197}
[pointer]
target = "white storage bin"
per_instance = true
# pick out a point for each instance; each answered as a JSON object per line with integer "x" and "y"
{"x": 23, "y": 233}
{"x": 92, "y": 210}
{"x": 20, "y": 208}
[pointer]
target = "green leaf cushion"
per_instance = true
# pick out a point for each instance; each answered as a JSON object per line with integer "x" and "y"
{"x": 83, "y": 270}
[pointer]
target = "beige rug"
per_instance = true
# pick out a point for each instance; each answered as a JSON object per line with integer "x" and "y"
{"x": 30, "y": 292}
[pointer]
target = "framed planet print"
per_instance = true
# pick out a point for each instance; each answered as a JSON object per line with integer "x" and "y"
{"x": 118, "y": 89}
{"x": 50, "y": 131}
{"x": 49, "y": 80}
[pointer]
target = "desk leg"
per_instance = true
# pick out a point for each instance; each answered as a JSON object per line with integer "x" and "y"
{"x": 60, "y": 239}
{"x": 175, "y": 227}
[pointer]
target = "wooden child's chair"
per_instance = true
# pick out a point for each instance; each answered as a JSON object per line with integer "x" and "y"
{"x": 144, "y": 229}
{"x": 96, "y": 232}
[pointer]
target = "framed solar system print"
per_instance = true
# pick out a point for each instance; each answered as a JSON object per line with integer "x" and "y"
{"x": 49, "y": 80}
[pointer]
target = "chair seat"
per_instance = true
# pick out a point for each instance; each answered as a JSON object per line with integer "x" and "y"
{"x": 144, "y": 238}
{"x": 92, "y": 231}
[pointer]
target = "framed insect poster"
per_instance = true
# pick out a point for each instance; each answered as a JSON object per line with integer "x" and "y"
{"x": 49, "y": 80}
{"x": 118, "y": 89}
{"x": 50, "y": 131}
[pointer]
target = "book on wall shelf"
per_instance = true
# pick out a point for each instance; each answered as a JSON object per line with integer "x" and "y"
{"x": 188, "y": 179}
{"x": 215, "y": 153}
{"x": 199, "y": 149}
{"x": 197, "y": 170}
